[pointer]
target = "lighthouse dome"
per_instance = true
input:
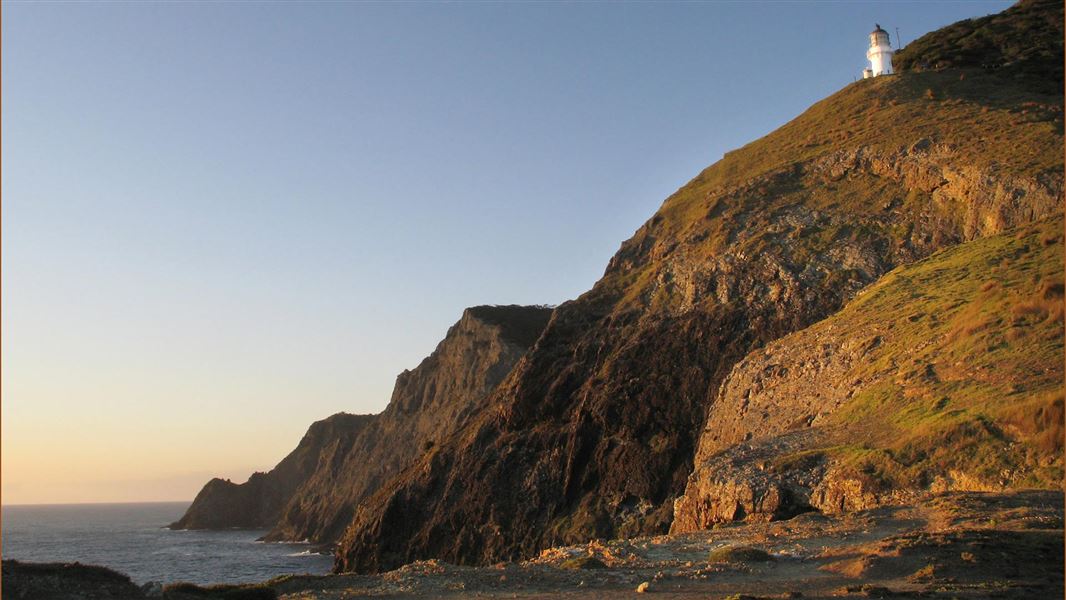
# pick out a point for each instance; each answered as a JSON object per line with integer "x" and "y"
{"x": 878, "y": 37}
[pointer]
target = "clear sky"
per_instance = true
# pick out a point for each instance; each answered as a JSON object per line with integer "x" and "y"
{"x": 223, "y": 221}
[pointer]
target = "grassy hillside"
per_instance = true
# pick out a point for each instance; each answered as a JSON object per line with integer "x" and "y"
{"x": 969, "y": 375}
{"x": 978, "y": 118}
{"x": 946, "y": 374}
{"x": 1027, "y": 39}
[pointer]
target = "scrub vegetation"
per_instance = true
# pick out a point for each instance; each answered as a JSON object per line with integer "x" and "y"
{"x": 967, "y": 376}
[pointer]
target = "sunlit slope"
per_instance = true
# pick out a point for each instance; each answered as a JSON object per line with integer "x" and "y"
{"x": 946, "y": 374}
{"x": 976, "y": 122}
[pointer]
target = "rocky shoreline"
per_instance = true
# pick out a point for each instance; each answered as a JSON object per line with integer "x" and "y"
{"x": 952, "y": 545}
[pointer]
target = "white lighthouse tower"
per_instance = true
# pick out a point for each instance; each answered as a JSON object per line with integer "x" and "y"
{"x": 879, "y": 54}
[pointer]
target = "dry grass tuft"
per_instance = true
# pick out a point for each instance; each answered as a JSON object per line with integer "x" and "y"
{"x": 733, "y": 554}
{"x": 583, "y": 562}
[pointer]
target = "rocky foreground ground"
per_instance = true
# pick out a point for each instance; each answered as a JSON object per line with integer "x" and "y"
{"x": 957, "y": 545}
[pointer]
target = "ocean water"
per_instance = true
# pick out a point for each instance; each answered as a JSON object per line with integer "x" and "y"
{"x": 131, "y": 539}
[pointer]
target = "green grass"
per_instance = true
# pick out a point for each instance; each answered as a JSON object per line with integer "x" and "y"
{"x": 976, "y": 111}
{"x": 968, "y": 375}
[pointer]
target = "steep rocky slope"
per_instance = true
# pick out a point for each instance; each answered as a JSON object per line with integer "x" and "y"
{"x": 944, "y": 375}
{"x": 593, "y": 434}
{"x": 257, "y": 503}
{"x": 312, "y": 493}
{"x": 427, "y": 403}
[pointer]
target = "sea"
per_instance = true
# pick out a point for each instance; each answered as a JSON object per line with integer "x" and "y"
{"x": 133, "y": 539}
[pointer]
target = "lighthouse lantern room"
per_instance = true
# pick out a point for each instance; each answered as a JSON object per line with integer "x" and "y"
{"x": 879, "y": 54}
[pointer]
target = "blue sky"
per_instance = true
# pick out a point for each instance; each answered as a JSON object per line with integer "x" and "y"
{"x": 222, "y": 221}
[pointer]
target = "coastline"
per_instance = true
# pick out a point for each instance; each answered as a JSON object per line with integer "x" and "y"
{"x": 952, "y": 545}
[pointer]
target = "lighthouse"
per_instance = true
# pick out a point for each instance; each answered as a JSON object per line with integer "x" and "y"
{"x": 879, "y": 54}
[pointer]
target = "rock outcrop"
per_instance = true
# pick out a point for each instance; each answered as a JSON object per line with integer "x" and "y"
{"x": 312, "y": 493}
{"x": 65, "y": 581}
{"x": 945, "y": 375}
{"x": 258, "y": 502}
{"x": 594, "y": 432}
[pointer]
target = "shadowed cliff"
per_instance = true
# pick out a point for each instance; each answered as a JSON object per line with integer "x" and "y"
{"x": 312, "y": 493}
{"x": 256, "y": 503}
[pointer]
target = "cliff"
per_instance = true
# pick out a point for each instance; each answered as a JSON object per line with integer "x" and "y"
{"x": 428, "y": 402}
{"x": 593, "y": 434}
{"x": 944, "y": 375}
{"x": 311, "y": 494}
{"x": 257, "y": 503}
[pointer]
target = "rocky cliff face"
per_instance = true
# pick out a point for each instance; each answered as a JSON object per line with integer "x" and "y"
{"x": 257, "y": 503}
{"x": 594, "y": 432}
{"x": 945, "y": 375}
{"x": 428, "y": 403}
{"x": 312, "y": 493}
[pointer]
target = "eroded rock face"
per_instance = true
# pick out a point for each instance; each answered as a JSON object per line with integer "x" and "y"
{"x": 428, "y": 403}
{"x": 932, "y": 362}
{"x": 257, "y": 503}
{"x": 743, "y": 483}
{"x": 740, "y": 486}
{"x": 593, "y": 434}
{"x": 312, "y": 493}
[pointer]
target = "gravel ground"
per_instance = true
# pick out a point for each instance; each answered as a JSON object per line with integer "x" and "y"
{"x": 958, "y": 545}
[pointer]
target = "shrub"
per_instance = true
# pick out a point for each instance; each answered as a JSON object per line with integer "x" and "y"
{"x": 583, "y": 562}
{"x": 732, "y": 554}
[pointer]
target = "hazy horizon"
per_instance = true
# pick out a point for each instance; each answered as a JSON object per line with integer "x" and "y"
{"x": 5, "y": 504}
{"x": 222, "y": 222}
